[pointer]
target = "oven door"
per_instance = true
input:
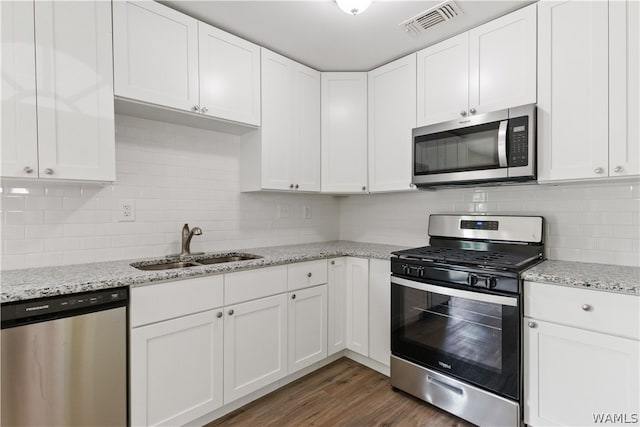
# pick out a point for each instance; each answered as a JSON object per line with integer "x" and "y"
{"x": 468, "y": 335}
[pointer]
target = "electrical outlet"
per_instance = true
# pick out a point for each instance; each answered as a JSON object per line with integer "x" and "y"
{"x": 126, "y": 210}
{"x": 283, "y": 211}
{"x": 306, "y": 212}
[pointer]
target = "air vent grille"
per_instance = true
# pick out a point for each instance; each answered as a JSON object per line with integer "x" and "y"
{"x": 420, "y": 23}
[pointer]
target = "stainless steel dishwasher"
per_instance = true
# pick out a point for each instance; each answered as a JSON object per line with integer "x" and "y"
{"x": 64, "y": 360}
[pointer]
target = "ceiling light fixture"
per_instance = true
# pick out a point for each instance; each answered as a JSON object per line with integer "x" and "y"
{"x": 353, "y": 7}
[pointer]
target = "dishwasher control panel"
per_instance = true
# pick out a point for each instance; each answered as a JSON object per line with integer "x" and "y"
{"x": 52, "y": 306}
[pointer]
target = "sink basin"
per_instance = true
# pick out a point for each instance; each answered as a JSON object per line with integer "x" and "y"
{"x": 165, "y": 266}
{"x": 206, "y": 260}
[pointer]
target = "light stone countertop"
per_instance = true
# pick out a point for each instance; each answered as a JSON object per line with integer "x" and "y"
{"x": 17, "y": 285}
{"x": 601, "y": 277}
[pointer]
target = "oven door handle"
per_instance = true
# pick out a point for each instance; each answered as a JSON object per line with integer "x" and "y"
{"x": 476, "y": 296}
{"x": 502, "y": 144}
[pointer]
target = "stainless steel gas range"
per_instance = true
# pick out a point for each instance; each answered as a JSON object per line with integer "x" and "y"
{"x": 455, "y": 315}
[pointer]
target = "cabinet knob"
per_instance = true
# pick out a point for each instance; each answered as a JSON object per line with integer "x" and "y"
{"x": 230, "y": 312}
{"x": 195, "y": 108}
{"x": 472, "y": 111}
{"x": 586, "y": 307}
{"x": 412, "y": 185}
{"x": 617, "y": 169}
{"x": 219, "y": 314}
{"x": 48, "y": 171}
{"x": 364, "y": 188}
{"x": 333, "y": 263}
{"x": 293, "y": 296}
{"x": 27, "y": 169}
{"x": 309, "y": 275}
{"x": 297, "y": 186}
{"x": 463, "y": 113}
{"x": 291, "y": 186}
{"x": 532, "y": 324}
{"x": 204, "y": 109}
{"x": 598, "y": 170}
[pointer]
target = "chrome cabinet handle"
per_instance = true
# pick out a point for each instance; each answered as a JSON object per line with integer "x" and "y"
{"x": 598, "y": 170}
{"x": 617, "y": 169}
{"x": 195, "y": 108}
{"x": 48, "y": 171}
{"x": 27, "y": 169}
{"x": 309, "y": 274}
{"x": 219, "y": 314}
{"x": 293, "y": 296}
{"x": 472, "y": 111}
{"x": 463, "y": 113}
{"x": 230, "y": 312}
{"x": 586, "y": 307}
{"x": 532, "y": 324}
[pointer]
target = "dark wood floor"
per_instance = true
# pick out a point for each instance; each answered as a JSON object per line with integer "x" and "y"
{"x": 343, "y": 393}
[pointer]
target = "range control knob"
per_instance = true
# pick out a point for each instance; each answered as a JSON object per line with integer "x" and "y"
{"x": 420, "y": 271}
{"x": 472, "y": 279}
{"x": 491, "y": 282}
{"x": 405, "y": 269}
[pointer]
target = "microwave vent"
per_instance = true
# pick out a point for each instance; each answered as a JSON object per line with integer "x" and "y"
{"x": 442, "y": 12}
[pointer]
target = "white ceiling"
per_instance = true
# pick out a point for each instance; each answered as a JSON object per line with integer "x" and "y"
{"x": 317, "y": 33}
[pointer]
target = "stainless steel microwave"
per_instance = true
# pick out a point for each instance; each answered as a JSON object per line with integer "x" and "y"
{"x": 489, "y": 148}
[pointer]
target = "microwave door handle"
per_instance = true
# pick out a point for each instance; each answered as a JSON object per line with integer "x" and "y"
{"x": 502, "y": 144}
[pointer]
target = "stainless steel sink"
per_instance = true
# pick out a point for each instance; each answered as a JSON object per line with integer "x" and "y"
{"x": 204, "y": 260}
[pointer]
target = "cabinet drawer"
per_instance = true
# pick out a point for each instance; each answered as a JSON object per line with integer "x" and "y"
{"x": 252, "y": 284}
{"x": 306, "y": 274}
{"x": 611, "y": 313}
{"x": 169, "y": 300}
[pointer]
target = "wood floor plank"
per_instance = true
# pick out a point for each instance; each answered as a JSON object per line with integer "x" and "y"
{"x": 342, "y": 394}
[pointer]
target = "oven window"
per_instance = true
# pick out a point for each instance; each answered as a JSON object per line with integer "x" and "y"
{"x": 466, "y": 149}
{"x": 473, "y": 340}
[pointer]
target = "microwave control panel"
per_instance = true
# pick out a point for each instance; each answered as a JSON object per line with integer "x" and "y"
{"x": 518, "y": 141}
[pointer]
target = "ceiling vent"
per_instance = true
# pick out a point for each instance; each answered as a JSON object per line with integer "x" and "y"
{"x": 420, "y": 23}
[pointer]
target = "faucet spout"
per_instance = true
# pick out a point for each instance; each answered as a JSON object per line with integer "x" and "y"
{"x": 187, "y": 235}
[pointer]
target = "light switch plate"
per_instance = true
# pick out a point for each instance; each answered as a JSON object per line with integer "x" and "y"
{"x": 126, "y": 210}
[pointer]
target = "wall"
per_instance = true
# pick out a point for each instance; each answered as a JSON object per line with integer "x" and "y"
{"x": 174, "y": 175}
{"x": 584, "y": 222}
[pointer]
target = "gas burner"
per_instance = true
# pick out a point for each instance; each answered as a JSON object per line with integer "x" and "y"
{"x": 470, "y": 257}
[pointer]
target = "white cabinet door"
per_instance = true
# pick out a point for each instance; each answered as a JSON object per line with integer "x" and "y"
{"x": 19, "y": 126}
{"x": 443, "y": 81}
{"x": 307, "y": 317}
{"x": 344, "y": 132}
{"x": 307, "y": 129}
{"x": 573, "y": 90}
{"x": 176, "y": 369}
{"x": 155, "y": 54}
{"x": 573, "y": 376}
{"x": 380, "y": 309}
{"x": 357, "y": 285}
{"x": 624, "y": 88}
{"x": 74, "y": 69}
{"x": 229, "y": 76}
{"x": 255, "y": 345}
{"x": 392, "y": 116}
{"x": 337, "y": 289}
{"x": 502, "y": 62}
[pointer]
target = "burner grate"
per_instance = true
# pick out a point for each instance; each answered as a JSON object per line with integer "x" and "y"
{"x": 448, "y": 255}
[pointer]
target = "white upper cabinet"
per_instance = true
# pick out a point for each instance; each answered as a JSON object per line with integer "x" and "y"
{"x": 624, "y": 87}
{"x": 391, "y": 118}
{"x": 588, "y": 90}
{"x": 74, "y": 81}
{"x": 155, "y": 52}
{"x": 443, "y": 80}
{"x": 344, "y": 132}
{"x": 19, "y": 125}
{"x": 285, "y": 153}
{"x": 489, "y": 68}
{"x": 229, "y": 76}
{"x": 502, "y": 62}
{"x": 166, "y": 58}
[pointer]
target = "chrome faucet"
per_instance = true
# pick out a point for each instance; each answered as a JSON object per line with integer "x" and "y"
{"x": 186, "y": 240}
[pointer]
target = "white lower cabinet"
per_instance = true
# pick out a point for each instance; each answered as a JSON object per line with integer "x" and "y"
{"x": 576, "y": 371}
{"x": 307, "y": 317}
{"x": 176, "y": 369}
{"x": 357, "y": 297}
{"x": 337, "y": 290}
{"x": 380, "y": 310}
{"x": 255, "y": 345}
